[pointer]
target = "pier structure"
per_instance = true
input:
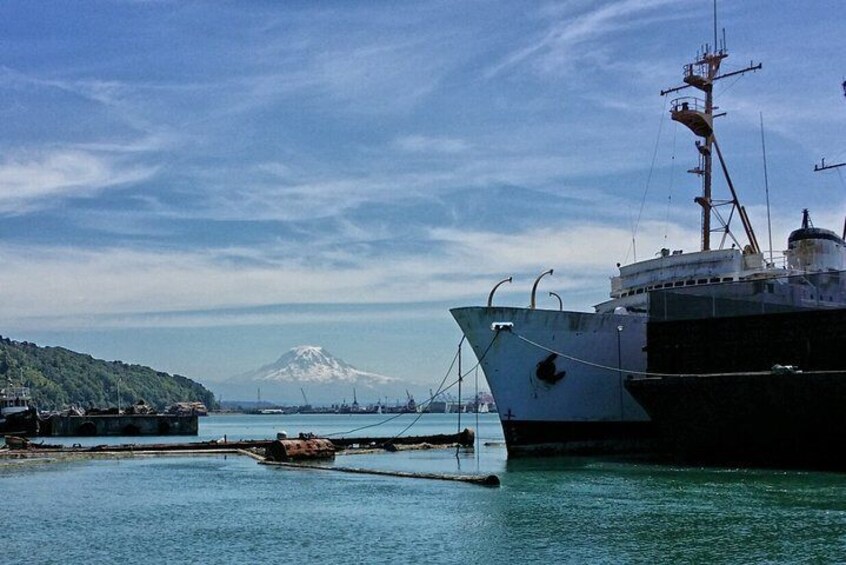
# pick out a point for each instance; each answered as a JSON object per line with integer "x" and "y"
{"x": 120, "y": 425}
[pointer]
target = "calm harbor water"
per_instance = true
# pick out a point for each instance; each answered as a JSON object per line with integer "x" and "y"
{"x": 216, "y": 509}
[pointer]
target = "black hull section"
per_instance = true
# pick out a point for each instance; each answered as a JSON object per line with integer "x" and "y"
{"x": 533, "y": 438}
{"x": 794, "y": 420}
{"x": 810, "y": 340}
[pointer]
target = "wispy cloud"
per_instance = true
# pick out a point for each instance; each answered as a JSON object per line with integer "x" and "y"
{"x": 65, "y": 288}
{"x": 424, "y": 144}
{"x": 565, "y": 39}
{"x": 29, "y": 182}
{"x": 61, "y": 282}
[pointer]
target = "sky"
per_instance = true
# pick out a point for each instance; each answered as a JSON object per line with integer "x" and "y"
{"x": 200, "y": 186}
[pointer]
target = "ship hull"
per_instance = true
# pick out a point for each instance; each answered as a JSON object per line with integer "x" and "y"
{"x": 725, "y": 390}
{"x": 570, "y": 402}
{"x": 791, "y": 420}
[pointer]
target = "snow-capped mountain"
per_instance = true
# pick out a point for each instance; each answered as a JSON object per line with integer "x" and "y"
{"x": 310, "y": 374}
{"x": 310, "y": 364}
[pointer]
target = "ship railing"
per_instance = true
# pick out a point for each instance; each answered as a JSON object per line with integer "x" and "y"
{"x": 761, "y": 295}
{"x": 16, "y": 391}
{"x": 697, "y": 69}
{"x": 778, "y": 261}
{"x": 687, "y": 104}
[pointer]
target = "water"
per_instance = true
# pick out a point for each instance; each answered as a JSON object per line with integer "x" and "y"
{"x": 228, "y": 509}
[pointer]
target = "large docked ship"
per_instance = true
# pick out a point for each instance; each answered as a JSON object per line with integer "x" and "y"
{"x": 558, "y": 376}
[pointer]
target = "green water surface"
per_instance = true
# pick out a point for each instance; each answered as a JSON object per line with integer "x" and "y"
{"x": 228, "y": 509}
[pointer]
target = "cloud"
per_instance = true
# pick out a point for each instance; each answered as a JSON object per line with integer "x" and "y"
{"x": 57, "y": 287}
{"x": 30, "y": 181}
{"x": 126, "y": 101}
{"x": 144, "y": 287}
{"x": 315, "y": 194}
{"x": 423, "y": 144}
{"x": 371, "y": 72}
{"x": 564, "y": 40}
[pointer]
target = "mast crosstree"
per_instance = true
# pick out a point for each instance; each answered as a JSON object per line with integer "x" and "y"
{"x": 698, "y": 116}
{"x": 823, "y": 167}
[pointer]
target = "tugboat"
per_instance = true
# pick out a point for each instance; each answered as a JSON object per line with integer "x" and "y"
{"x": 17, "y": 415}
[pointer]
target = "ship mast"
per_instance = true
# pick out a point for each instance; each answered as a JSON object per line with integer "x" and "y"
{"x": 698, "y": 116}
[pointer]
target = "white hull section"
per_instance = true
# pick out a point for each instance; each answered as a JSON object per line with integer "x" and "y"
{"x": 586, "y": 392}
{"x": 587, "y": 406}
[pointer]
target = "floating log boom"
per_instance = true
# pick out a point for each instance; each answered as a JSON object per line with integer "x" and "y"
{"x": 482, "y": 480}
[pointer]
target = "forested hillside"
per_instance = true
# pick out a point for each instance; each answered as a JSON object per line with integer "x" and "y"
{"x": 59, "y": 377}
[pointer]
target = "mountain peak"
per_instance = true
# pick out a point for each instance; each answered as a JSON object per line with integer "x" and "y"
{"x": 307, "y": 349}
{"x": 312, "y": 352}
{"x": 311, "y": 364}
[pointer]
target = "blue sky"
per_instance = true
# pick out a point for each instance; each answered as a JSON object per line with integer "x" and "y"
{"x": 201, "y": 186}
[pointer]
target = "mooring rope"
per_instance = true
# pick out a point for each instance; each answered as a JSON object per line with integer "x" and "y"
{"x": 458, "y": 380}
{"x": 644, "y": 373}
{"x": 440, "y": 390}
{"x": 636, "y": 223}
{"x": 596, "y": 365}
{"x": 397, "y": 415}
{"x": 478, "y": 433}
